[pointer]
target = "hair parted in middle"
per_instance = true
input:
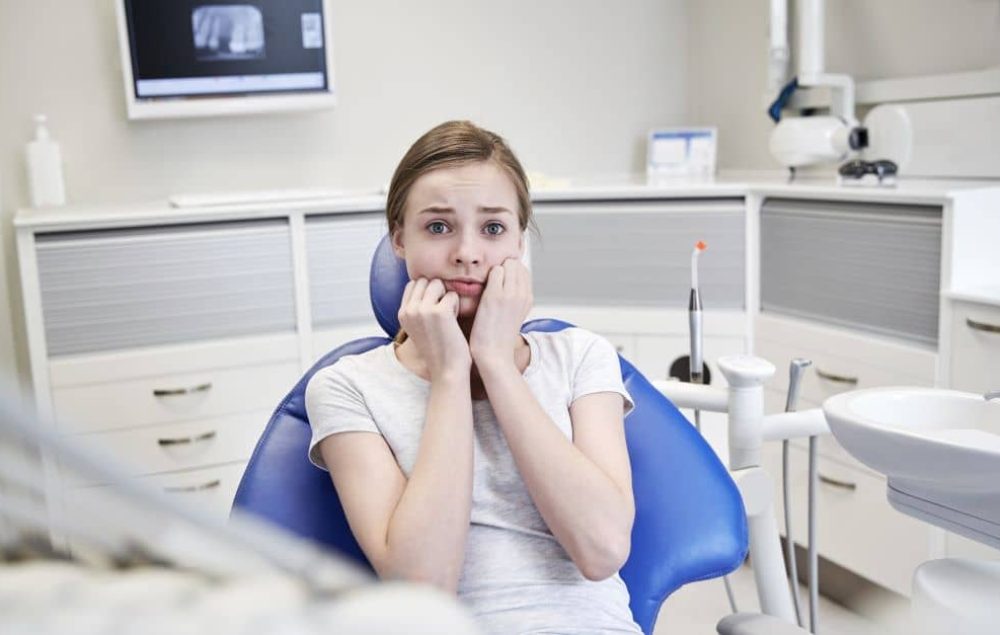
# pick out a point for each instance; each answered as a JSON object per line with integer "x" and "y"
{"x": 453, "y": 144}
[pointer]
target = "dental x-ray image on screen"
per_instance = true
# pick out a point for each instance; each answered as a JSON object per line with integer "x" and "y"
{"x": 204, "y": 48}
{"x": 228, "y": 32}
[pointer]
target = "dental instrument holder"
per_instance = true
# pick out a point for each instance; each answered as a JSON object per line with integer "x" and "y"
{"x": 743, "y": 400}
{"x": 697, "y": 366}
{"x": 746, "y": 376}
{"x": 796, "y": 369}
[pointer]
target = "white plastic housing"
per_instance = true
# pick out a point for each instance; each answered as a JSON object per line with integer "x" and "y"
{"x": 799, "y": 141}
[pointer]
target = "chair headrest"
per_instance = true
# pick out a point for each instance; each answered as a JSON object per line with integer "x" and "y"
{"x": 386, "y": 283}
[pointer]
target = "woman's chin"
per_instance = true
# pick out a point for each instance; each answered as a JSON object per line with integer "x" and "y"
{"x": 467, "y": 306}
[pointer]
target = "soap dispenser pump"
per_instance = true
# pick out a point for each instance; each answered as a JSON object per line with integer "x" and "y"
{"x": 45, "y": 175}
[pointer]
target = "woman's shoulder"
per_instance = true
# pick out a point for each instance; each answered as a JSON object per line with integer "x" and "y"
{"x": 572, "y": 342}
{"x": 349, "y": 369}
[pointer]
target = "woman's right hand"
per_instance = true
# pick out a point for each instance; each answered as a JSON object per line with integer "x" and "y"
{"x": 429, "y": 315}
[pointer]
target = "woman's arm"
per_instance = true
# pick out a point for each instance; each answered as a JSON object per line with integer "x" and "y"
{"x": 411, "y": 529}
{"x": 582, "y": 488}
{"x": 417, "y": 529}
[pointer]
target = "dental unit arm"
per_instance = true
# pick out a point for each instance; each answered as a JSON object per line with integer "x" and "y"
{"x": 748, "y": 428}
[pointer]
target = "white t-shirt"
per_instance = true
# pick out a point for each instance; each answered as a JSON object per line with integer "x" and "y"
{"x": 516, "y": 578}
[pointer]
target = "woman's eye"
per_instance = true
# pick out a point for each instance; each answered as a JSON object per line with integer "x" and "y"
{"x": 437, "y": 227}
{"x": 495, "y": 229}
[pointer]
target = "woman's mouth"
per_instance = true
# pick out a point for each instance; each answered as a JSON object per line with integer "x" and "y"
{"x": 466, "y": 288}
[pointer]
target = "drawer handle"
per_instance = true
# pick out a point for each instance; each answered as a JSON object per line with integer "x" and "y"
{"x": 174, "y": 392}
{"x": 186, "y": 440}
{"x": 836, "y": 483}
{"x": 195, "y": 488}
{"x": 840, "y": 379}
{"x": 982, "y": 326}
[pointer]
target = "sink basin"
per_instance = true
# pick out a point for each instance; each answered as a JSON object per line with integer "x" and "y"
{"x": 939, "y": 449}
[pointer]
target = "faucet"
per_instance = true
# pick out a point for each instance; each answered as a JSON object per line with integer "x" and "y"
{"x": 993, "y": 394}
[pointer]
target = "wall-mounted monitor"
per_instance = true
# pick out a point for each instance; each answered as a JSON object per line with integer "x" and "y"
{"x": 190, "y": 58}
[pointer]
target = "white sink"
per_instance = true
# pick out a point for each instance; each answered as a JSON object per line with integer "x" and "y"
{"x": 939, "y": 449}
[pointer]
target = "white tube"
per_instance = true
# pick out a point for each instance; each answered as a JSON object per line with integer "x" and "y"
{"x": 811, "y": 43}
{"x": 757, "y": 490}
{"x": 778, "y": 53}
{"x": 697, "y": 396}
{"x": 789, "y": 425}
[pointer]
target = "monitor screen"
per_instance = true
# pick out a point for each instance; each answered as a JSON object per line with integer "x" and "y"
{"x": 213, "y": 48}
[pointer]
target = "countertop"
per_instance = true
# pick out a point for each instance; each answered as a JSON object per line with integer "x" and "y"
{"x": 623, "y": 187}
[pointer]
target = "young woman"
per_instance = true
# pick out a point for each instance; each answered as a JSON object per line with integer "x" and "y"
{"x": 466, "y": 454}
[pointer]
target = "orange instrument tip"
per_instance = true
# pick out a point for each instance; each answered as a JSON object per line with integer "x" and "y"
{"x": 700, "y": 245}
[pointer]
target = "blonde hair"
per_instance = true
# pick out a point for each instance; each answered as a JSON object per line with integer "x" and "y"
{"x": 452, "y": 144}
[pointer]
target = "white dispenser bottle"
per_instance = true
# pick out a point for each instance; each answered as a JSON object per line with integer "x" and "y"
{"x": 45, "y": 175}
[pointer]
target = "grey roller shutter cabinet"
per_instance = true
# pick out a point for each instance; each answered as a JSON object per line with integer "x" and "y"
{"x": 124, "y": 288}
{"x": 639, "y": 254}
{"x": 872, "y": 267}
{"x": 340, "y": 249}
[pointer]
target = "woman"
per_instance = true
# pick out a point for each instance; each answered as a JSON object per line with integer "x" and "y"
{"x": 468, "y": 455}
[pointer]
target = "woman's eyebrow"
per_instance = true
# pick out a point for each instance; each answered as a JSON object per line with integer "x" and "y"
{"x": 435, "y": 209}
{"x": 495, "y": 210}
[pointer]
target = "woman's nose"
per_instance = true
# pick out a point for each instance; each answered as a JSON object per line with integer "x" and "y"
{"x": 467, "y": 251}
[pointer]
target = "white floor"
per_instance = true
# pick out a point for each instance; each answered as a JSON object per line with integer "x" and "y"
{"x": 697, "y": 608}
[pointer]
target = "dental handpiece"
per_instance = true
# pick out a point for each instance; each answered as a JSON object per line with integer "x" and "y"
{"x": 694, "y": 322}
{"x": 694, "y": 319}
{"x": 795, "y": 371}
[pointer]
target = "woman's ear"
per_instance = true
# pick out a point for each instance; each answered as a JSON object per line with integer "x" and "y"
{"x": 396, "y": 236}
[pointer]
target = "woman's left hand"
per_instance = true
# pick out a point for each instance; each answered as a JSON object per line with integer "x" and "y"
{"x": 503, "y": 307}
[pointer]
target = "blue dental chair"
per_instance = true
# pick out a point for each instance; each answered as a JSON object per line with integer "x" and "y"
{"x": 690, "y": 523}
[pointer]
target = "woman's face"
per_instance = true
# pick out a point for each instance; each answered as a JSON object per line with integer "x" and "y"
{"x": 458, "y": 223}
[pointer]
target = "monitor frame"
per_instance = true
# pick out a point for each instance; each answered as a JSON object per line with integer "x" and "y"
{"x": 237, "y": 104}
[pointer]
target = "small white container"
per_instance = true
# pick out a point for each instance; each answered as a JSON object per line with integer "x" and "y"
{"x": 45, "y": 174}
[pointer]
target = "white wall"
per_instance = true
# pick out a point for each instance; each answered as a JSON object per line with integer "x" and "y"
{"x": 868, "y": 40}
{"x": 573, "y": 84}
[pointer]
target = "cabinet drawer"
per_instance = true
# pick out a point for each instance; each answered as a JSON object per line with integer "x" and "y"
{"x": 856, "y": 526}
{"x": 975, "y": 347}
{"x": 211, "y": 490}
{"x": 170, "y": 398}
{"x": 841, "y": 360}
{"x": 178, "y": 446}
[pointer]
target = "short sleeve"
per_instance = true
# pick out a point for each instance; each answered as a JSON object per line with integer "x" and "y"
{"x": 598, "y": 370}
{"x": 334, "y": 404}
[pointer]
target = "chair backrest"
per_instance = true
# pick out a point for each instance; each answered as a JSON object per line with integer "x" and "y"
{"x": 690, "y": 523}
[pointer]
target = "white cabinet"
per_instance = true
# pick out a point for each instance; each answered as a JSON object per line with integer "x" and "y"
{"x": 975, "y": 347}
{"x": 855, "y": 288}
{"x": 623, "y": 268}
{"x": 974, "y": 362}
{"x": 168, "y": 335}
{"x": 167, "y": 345}
{"x": 856, "y": 527}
